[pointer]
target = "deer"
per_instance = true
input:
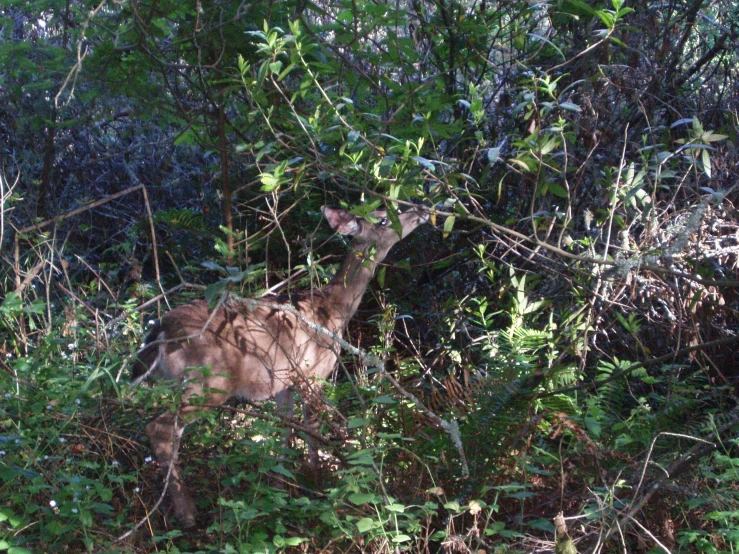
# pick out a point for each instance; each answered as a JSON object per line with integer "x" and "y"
{"x": 260, "y": 350}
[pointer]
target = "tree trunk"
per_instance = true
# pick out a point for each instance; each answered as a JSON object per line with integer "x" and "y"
{"x": 227, "y": 203}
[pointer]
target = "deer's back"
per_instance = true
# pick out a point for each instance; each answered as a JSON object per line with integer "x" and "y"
{"x": 250, "y": 354}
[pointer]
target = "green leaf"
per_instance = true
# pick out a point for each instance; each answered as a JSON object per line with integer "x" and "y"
{"x": 282, "y": 471}
{"x": 12, "y": 303}
{"x": 186, "y": 137}
{"x": 86, "y": 518}
{"x": 286, "y": 71}
{"x": 713, "y": 137}
{"x": 214, "y": 290}
{"x": 290, "y": 541}
{"x": 706, "y": 162}
{"x": 426, "y": 164}
{"x": 570, "y": 107}
{"x": 521, "y": 163}
{"x": 448, "y": 225}
{"x": 557, "y": 190}
{"x": 275, "y": 67}
{"x": 593, "y": 426}
{"x": 384, "y": 399}
{"x": 355, "y": 423}
{"x": 493, "y": 154}
{"x": 359, "y": 498}
{"x": 381, "y": 277}
{"x": 617, "y": 41}
{"x": 577, "y": 7}
{"x": 606, "y": 18}
{"x": 365, "y": 524}
{"x": 269, "y": 182}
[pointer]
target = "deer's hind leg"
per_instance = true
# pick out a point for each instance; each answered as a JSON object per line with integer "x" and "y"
{"x": 285, "y": 406}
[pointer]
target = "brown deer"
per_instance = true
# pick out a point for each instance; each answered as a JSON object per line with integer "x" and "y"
{"x": 257, "y": 351}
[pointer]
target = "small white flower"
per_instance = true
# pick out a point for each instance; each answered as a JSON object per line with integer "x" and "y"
{"x": 115, "y": 463}
{"x": 78, "y": 401}
{"x": 137, "y": 489}
{"x": 52, "y": 503}
{"x": 74, "y": 510}
{"x": 148, "y": 459}
{"x": 152, "y": 322}
{"x": 49, "y": 407}
{"x": 64, "y": 356}
{"x": 8, "y": 395}
{"x": 2, "y": 452}
{"x": 9, "y": 355}
{"x": 71, "y": 346}
{"x": 62, "y": 440}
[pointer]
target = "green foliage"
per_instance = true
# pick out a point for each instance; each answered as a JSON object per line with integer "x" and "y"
{"x": 576, "y": 160}
{"x": 55, "y": 477}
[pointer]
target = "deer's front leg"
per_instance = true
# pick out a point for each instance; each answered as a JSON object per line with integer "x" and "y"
{"x": 165, "y": 433}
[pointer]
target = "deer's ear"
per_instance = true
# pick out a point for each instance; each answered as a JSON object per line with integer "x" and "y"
{"x": 340, "y": 220}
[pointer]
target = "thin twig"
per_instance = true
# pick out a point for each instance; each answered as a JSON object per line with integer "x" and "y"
{"x": 76, "y": 211}
{"x": 648, "y": 532}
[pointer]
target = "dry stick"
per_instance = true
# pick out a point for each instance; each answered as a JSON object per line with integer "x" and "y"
{"x": 93, "y": 312}
{"x": 451, "y": 428}
{"x": 584, "y": 259}
{"x": 651, "y": 449}
{"x": 81, "y": 209}
{"x": 77, "y": 67}
{"x": 30, "y": 276}
{"x": 96, "y": 274}
{"x": 38, "y": 226}
{"x": 694, "y": 453}
{"x": 155, "y": 254}
{"x": 651, "y": 535}
{"x": 3, "y": 197}
{"x": 76, "y": 211}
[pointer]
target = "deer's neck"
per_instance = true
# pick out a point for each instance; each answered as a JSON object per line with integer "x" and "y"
{"x": 344, "y": 293}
